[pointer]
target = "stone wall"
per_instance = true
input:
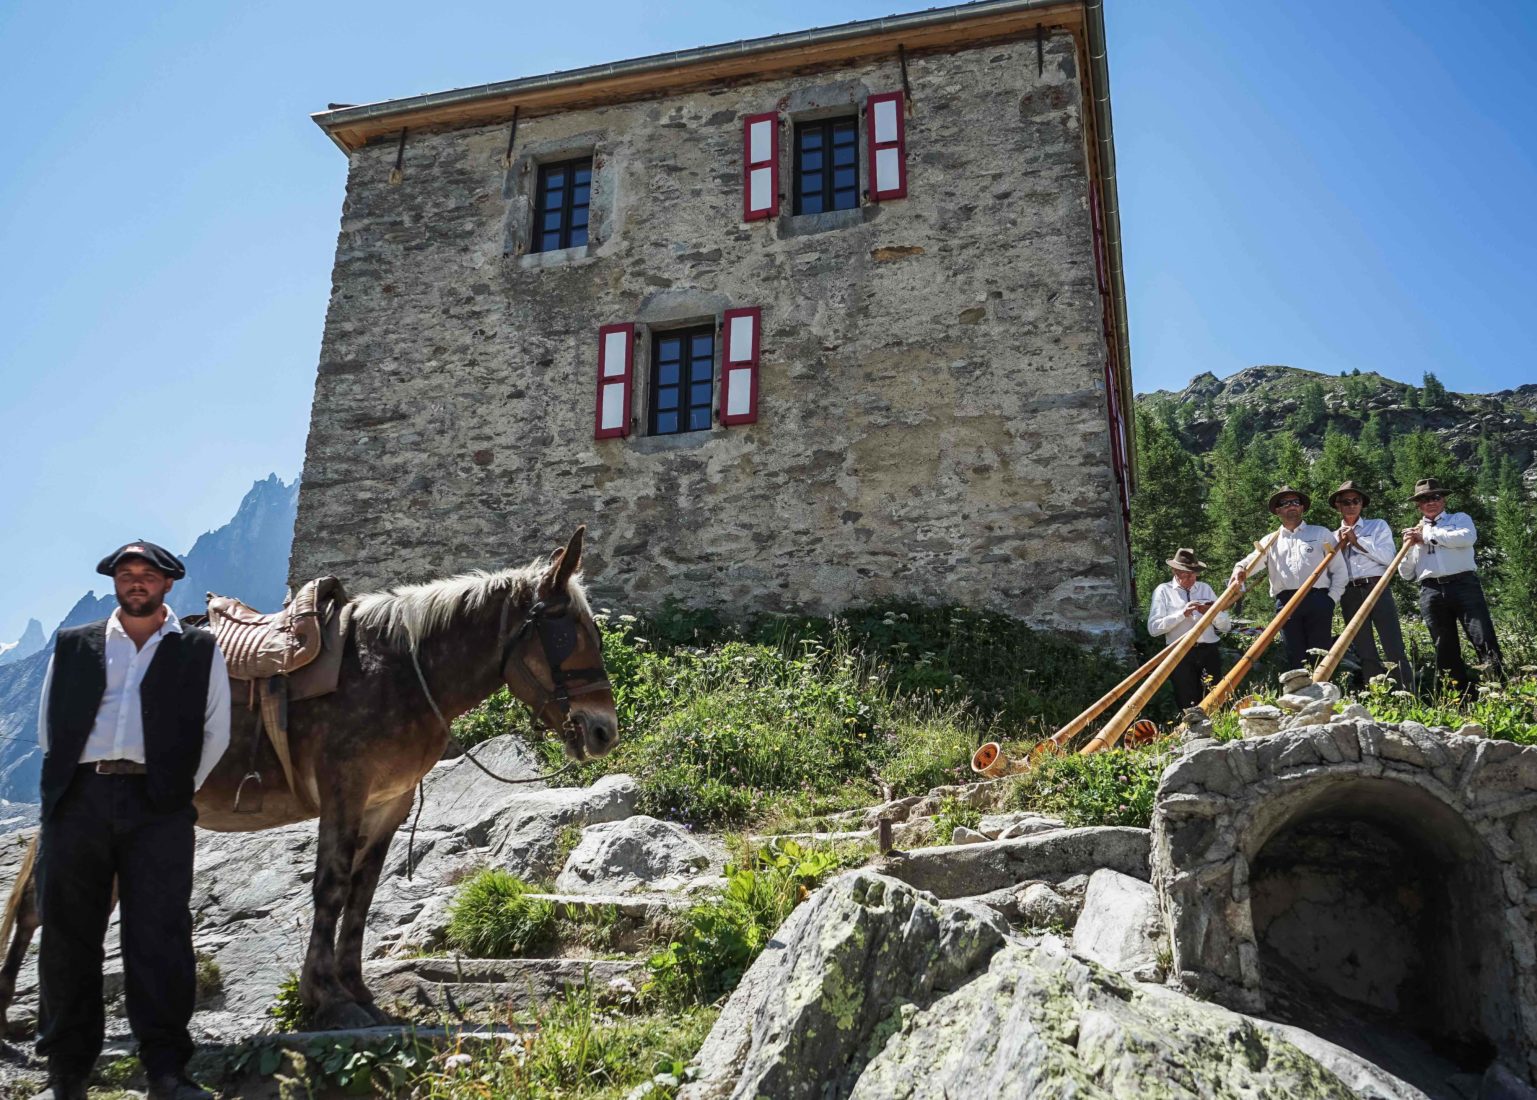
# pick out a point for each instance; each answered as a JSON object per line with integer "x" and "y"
{"x": 1391, "y": 866}
{"x": 932, "y": 421}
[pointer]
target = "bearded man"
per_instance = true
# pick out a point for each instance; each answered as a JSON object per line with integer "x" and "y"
{"x": 134, "y": 715}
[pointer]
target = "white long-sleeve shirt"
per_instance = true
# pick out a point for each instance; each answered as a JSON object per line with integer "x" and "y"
{"x": 1447, "y": 549}
{"x": 1168, "y": 616}
{"x": 1375, "y": 552}
{"x": 1291, "y": 558}
{"x": 118, "y": 733}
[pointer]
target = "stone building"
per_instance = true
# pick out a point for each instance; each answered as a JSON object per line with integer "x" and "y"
{"x": 798, "y": 322}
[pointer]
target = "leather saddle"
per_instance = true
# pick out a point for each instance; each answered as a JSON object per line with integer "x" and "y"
{"x": 282, "y": 657}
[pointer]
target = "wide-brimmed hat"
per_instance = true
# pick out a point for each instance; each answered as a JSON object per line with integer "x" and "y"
{"x": 1288, "y": 491}
{"x": 1350, "y": 487}
{"x": 1426, "y": 488}
{"x": 1184, "y": 558}
{"x": 158, "y": 556}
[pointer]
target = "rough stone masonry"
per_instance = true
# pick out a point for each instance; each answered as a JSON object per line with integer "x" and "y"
{"x": 932, "y": 418}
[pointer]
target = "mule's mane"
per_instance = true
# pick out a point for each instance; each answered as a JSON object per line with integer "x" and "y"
{"x": 410, "y": 612}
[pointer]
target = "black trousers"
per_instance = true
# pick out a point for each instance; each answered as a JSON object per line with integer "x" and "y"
{"x": 1384, "y": 622}
{"x": 1310, "y": 627}
{"x": 1444, "y": 603}
{"x": 103, "y": 828}
{"x": 1204, "y": 660}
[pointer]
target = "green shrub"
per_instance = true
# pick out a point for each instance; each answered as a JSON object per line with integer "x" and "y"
{"x": 1114, "y": 787}
{"x": 492, "y": 916}
{"x": 954, "y": 814}
{"x": 288, "y": 1012}
{"x": 722, "y": 937}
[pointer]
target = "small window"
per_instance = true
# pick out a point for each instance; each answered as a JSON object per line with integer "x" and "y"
{"x": 826, "y": 165}
{"x": 560, "y": 205}
{"x": 682, "y": 372}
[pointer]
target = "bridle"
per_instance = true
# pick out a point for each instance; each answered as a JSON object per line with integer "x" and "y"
{"x": 556, "y": 628}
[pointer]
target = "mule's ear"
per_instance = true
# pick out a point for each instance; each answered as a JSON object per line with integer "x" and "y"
{"x": 566, "y": 561}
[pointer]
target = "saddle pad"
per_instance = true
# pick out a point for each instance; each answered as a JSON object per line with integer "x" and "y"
{"x": 257, "y": 645}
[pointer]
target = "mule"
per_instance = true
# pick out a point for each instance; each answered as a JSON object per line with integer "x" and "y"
{"x": 415, "y": 658}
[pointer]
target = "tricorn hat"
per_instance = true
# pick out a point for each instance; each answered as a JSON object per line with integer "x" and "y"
{"x": 1350, "y": 487}
{"x": 158, "y": 556}
{"x": 1288, "y": 491}
{"x": 1184, "y": 559}
{"x": 1426, "y": 488}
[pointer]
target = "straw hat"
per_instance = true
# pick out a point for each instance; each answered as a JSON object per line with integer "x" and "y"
{"x": 1185, "y": 560}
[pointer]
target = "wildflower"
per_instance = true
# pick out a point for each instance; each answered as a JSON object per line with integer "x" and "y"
{"x": 455, "y": 1062}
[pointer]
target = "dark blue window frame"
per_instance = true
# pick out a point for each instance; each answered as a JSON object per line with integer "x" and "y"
{"x": 682, "y": 381}
{"x": 561, "y": 201}
{"x": 826, "y": 165}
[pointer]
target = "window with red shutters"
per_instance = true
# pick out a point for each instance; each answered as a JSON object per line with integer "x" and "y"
{"x": 616, "y": 370}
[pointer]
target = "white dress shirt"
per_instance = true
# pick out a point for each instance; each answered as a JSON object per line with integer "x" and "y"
{"x": 1375, "y": 552}
{"x": 1167, "y": 618}
{"x": 1447, "y": 549}
{"x": 1291, "y": 558}
{"x": 119, "y": 730}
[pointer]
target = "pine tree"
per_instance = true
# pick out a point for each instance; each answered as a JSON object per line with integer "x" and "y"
{"x": 1241, "y": 481}
{"x": 1514, "y": 588}
{"x": 1344, "y": 459}
{"x": 1434, "y": 392}
{"x": 1169, "y": 511}
{"x": 1311, "y": 411}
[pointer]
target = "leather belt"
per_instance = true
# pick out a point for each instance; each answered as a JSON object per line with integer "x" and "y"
{"x": 116, "y": 767}
{"x": 1437, "y": 582}
{"x": 1364, "y": 582}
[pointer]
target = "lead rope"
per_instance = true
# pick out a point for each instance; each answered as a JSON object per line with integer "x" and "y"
{"x": 421, "y": 788}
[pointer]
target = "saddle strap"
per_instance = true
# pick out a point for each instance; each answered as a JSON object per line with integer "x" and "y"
{"x": 274, "y": 699}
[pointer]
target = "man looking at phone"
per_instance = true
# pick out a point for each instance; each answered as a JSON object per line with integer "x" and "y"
{"x": 1176, "y": 606}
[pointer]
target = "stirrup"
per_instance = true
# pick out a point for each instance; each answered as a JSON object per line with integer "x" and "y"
{"x": 240, "y": 790}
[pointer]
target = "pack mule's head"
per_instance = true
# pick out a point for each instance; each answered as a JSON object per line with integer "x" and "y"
{"x": 553, "y": 660}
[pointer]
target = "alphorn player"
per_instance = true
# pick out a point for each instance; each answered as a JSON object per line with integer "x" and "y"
{"x": 1176, "y": 606}
{"x": 1367, "y": 547}
{"x": 1440, "y": 561}
{"x": 1289, "y": 560}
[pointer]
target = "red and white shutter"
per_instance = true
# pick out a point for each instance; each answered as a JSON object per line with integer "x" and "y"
{"x": 739, "y": 366}
{"x": 616, "y": 361}
{"x": 887, "y": 132}
{"x": 760, "y": 166}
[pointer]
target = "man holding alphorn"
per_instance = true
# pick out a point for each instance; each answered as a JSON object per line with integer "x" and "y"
{"x": 1367, "y": 549}
{"x": 1289, "y": 561}
{"x": 1176, "y": 606}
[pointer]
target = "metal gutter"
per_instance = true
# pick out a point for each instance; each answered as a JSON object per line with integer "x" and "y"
{"x": 330, "y": 120}
{"x": 1094, "y": 33}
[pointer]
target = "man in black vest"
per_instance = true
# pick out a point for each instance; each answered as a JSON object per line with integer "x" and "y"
{"x": 135, "y": 714}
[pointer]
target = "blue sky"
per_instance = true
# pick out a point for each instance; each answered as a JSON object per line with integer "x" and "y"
{"x": 1330, "y": 185}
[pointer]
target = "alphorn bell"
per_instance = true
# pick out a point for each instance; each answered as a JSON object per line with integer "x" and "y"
{"x": 1326, "y": 667}
{"x": 1111, "y": 733}
{"x": 1218, "y": 694}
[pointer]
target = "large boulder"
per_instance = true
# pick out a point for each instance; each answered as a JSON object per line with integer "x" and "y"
{"x": 1042, "y": 1025}
{"x": 635, "y": 853}
{"x": 834, "y": 982}
{"x": 1121, "y": 926}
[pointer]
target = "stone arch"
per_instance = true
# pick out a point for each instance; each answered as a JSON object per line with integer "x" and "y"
{"x": 1391, "y": 867}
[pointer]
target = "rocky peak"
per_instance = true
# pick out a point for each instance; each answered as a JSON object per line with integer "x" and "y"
{"x": 31, "y": 640}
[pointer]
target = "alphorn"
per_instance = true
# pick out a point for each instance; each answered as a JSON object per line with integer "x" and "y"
{"x": 1057, "y": 741}
{"x": 1111, "y": 733}
{"x": 1326, "y": 667}
{"x": 1218, "y": 694}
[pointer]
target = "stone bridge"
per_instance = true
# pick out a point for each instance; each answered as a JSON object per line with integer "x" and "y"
{"x": 1384, "y": 866}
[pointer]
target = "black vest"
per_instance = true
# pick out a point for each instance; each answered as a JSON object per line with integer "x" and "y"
{"x": 173, "y": 698}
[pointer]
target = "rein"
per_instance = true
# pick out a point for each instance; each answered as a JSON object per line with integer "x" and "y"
{"x": 556, "y": 650}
